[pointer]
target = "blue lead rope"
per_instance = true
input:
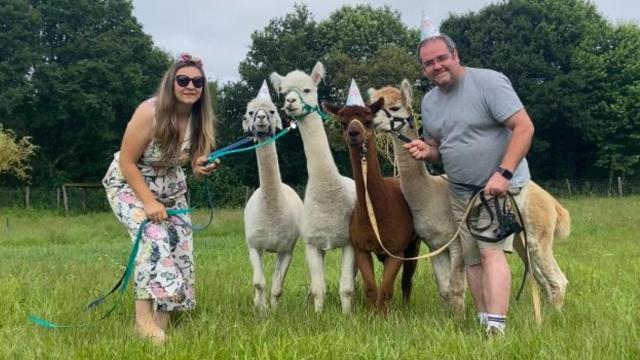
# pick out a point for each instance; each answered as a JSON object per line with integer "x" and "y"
{"x": 231, "y": 149}
{"x": 121, "y": 285}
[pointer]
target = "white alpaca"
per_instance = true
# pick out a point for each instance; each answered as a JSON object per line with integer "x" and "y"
{"x": 330, "y": 197}
{"x": 544, "y": 217}
{"x": 272, "y": 214}
{"x": 427, "y": 197}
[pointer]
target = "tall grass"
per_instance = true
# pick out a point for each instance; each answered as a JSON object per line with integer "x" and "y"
{"x": 53, "y": 265}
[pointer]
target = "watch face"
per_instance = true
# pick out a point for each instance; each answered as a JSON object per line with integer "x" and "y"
{"x": 505, "y": 173}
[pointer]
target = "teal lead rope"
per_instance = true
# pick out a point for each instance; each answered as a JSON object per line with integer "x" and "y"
{"x": 121, "y": 285}
{"x": 228, "y": 151}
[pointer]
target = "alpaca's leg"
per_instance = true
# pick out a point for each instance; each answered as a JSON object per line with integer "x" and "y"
{"x": 347, "y": 278}
{"x": 315, "y": 261}
{"x": 391, "y": 268}
{"x": 546, "y": 263}
{"x": 259, "y": 281}
{"x": 279, "y": 273}
{"x": 364, "y": 261}
{"x": 409, "y": 269}
{"x": 441, "y": 265}
{"x": 458, "y": 279}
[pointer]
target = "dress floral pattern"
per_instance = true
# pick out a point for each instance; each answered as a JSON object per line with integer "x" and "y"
{"x": 164, "y": 269}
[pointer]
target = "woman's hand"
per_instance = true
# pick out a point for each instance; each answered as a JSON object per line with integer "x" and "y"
{"x": 200, "y": 166}
{"x": 155, "y": 211}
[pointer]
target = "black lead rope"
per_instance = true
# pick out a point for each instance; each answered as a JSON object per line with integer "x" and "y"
{"x": 518, "y": 227}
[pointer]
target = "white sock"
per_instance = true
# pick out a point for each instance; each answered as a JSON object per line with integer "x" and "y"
{"x": 497, "y": 321}
{"x": 482, "y": 317}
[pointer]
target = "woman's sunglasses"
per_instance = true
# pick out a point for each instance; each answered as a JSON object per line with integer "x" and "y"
{"x": 183, "y": 80}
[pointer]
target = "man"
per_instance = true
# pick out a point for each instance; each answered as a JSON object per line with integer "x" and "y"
{"x": 475, "y": 124}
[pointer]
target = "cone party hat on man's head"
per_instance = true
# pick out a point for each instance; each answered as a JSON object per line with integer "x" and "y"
{"x": 354, "y": 98}
{"x": 264, "y": 94}
{"x": 427, "y": 28}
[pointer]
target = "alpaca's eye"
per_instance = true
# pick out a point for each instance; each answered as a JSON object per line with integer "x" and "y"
{"x": 250, "y": 113}
{"x": 306, "y": 91}
{"x": 272, "y": 112}
{"x": 395, "y": 108}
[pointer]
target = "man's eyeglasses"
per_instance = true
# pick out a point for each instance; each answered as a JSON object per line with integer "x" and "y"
{"x": 438, "y": 60}
{"x": 183, "y": 81}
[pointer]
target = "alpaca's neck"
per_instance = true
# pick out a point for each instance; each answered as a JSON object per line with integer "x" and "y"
{"x": 268, "y": 168}
{"x": 320, "y": 162}
{"x": 412, "y": 172}
{"x": 375, "y": 183}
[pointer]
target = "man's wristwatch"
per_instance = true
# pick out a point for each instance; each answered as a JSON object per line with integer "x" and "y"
{"x": 504, "y": 172}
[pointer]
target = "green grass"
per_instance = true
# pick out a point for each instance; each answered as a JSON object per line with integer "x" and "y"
{"x": 53, "y": 265}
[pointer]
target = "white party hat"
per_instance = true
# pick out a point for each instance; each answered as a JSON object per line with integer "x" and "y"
{"x": 264, "y": 94}
{"x": 427, "y": 28}
{"x": 354, "y": 98}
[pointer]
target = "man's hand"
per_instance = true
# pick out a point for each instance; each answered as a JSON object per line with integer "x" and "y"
{"x": 497, "y": 185}
{"x": 418, "y": 149}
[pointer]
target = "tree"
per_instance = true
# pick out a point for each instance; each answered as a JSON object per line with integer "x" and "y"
{"x": 370, "y": 44}
{"x": 532, "y": 42}
{"x": 607, "y": 74}
{"x": 15, "y": 154}
{"x": 93, "y": 66}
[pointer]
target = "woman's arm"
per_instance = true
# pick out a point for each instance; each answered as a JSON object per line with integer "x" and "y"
{"x": 135, "y": 140}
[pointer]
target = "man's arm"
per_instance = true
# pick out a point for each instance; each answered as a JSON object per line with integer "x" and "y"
{"x": 517, "y": 147}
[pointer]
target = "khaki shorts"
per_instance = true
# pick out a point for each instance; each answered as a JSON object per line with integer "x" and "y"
{"x": 470, "y": 245}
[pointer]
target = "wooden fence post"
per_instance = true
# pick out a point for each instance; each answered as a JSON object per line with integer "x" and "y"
{"x": 620, "y": 186}
{"x": 568, "y": 186}
{"x": 84, "y": 199}
{"x": 27, "y": 197}
{"x": 65, "y": 200}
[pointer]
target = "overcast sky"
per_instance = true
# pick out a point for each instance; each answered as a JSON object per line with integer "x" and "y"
{"x": 219, "y": 31}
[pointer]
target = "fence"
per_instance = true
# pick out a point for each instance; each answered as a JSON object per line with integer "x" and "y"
{"x": 89, "y": 197}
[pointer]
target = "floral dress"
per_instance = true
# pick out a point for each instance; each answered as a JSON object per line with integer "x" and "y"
{"x": 164, "y": 269}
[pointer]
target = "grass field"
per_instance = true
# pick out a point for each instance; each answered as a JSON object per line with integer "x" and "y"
{"x": 53, "y": 265}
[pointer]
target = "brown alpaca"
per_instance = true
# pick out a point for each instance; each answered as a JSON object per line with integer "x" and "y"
{"x": 392, "y": 213}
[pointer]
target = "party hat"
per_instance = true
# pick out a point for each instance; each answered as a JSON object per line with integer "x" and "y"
{"x": 354, "y": 98}
{"x": 427, "y": 28}
{"x": 264, "y": 94}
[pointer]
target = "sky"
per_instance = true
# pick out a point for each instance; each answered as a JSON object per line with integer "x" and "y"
{"x": 219, "y": 31}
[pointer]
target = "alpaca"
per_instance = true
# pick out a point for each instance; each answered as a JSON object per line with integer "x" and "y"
{"x": 389, "y": 206}
{"x": 544, "y": 217}
{"x": 428, "y": 200}
{"x": 272, "y": 214}
{"x": 329, "y": 197}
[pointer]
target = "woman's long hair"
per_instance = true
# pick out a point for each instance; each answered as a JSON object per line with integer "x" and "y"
{"x": 166, "y": 131}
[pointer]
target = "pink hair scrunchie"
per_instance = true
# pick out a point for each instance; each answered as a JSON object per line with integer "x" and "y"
{"x": 186, "y": 57}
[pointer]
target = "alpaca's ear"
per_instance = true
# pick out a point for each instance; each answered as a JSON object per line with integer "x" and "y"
{"x": 407, "y": 93}
{"x": 376, "y": 106}
{"x": 276, "y": 81}
{"x": 317, "y": 73}
{"x": 370, "y": 93}
{"x": 245, "y": 123}
{"x": 330, "y": 108}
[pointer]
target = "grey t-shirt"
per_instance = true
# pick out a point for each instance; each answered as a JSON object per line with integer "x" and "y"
{"x": 467, "y": 122}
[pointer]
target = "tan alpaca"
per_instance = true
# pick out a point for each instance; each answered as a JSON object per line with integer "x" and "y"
{"x": 544, "y": 218}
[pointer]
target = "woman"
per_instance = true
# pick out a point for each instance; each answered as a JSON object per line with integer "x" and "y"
{"x": 146, "y": 179}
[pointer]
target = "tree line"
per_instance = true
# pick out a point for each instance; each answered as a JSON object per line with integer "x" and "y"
{"x": 72, "y": 72}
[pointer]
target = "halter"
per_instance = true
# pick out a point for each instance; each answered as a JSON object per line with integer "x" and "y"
{"x": 306, "y": 108}
{"x": 400, "y": 122}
